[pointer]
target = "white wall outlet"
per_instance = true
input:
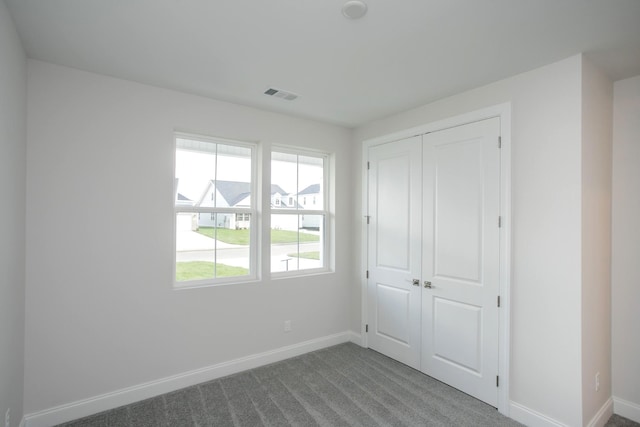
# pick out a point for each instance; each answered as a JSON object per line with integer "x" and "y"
{"x": 287, "y": 325}
{"x": 597, "y": 381}
{"x": 7, "y": 418}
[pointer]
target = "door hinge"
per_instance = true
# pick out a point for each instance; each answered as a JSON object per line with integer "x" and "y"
{"x": 367, "y": 274}
{"x": 366, "y": 328}
{"x": 499, "y": 222}
{"x": 368, "y": 165}
{"x": 368, "y": 217}
{"x": 498, "y": 298}
{"x": 499, "y": 142}
{"x": 497, "y": 381}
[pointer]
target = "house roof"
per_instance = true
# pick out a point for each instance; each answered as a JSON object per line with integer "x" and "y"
{"x": 182, "y": 197}
{"x": 312, "y": 189}
{"x": 235, "y": 191}
{"x": 232, "y": 191}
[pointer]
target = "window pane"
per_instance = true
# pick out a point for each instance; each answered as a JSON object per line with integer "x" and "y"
{"x": 311, "y": 181}
{"x": 212, "y": 175}
{"x": 284, "y": 180}
{"x": 215, "y": 246}
{"x": 297, "y": 181}
{"x": 296, "y": 242}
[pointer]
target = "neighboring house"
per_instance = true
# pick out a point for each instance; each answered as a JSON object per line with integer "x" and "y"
{"x": 185, "y": 221}
{"x": 282, "y": 199}
{"x": 311, "y": 198}
{"x": 224, "y": 194}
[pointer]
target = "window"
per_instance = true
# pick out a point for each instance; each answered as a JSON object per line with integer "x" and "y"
{"x": 298, "y": 234}
{"x": 216, "y": 214}
{"x": 215, "y": 178}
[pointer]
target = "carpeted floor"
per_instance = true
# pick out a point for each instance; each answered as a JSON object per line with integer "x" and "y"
{"x": 343, "y": 385}
{"x": 618, "y": 421}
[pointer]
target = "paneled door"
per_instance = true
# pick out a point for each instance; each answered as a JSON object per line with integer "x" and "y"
{"x": 394, "y": 249}
{"x": 460, "y": 257}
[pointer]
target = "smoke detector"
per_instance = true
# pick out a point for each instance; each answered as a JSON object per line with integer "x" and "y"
{"x": 288, "y": 96}
{"x": 354, "y": 9}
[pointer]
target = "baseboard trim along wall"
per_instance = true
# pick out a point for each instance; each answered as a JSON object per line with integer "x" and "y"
{"x": 626, "y": 409}
{"x": 603, "y": 415}
{"x": 531, "y": 418}
{"x": 104, "y": 402}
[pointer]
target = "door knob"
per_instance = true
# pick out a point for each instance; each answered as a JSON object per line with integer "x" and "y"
{"x": 427, "y": 284}
{"x": 416, "y": 282}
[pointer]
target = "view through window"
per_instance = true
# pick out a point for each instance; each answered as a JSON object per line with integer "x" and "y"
{"x": 298, "y": 211}
{"x": 214, "y": 206}
{"x": 216, "y": 213}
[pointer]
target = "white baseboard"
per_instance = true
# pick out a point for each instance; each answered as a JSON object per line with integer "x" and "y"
{"x": 96, "y": 404}
{"x": 626, "y": 409}
{"x": 355, "y": 338}
{"x": 603, "y": 415}
{"x": 531, "y": 418}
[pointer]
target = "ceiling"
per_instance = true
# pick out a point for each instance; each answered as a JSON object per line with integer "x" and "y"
{"x": 402, "y": 54}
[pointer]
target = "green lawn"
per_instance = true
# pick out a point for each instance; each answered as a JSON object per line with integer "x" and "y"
{"x": 307, "y": 255}
{"x": 194, "y": 270}
{"x": 241, "y": 237}
{"x": 286, "y": 236}
{"x": 236, "y": 237}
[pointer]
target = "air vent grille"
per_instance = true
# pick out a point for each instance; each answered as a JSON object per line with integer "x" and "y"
{"x": 288, "y": 96}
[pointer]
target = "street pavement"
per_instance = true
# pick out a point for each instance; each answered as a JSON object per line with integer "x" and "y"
{"x": 192, "y": 246}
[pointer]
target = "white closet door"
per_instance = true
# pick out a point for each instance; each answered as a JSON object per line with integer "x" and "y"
{"x": 394, "y": 247}
{"x": 460, "y": 261}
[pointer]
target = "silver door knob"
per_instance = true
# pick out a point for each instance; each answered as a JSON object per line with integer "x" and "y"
{"x": 427, "y": 284}
{"x": 416, "y": 282}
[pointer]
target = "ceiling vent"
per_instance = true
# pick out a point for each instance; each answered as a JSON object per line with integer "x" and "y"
{"x": 289, "y": 96}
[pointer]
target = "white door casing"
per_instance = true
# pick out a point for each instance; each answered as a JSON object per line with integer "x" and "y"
{"x": 461, "y": 244}
{"x": 395, "y": 180}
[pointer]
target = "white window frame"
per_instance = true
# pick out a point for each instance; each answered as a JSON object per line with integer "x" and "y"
{"x": 325, "y": 212}
{"x": 254, "y": 231}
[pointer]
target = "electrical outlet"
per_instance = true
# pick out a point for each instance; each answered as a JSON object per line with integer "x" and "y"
{"x": 287, "y": 325}
{"x": 7, "y": 418}
{"x": 598, "y": 381}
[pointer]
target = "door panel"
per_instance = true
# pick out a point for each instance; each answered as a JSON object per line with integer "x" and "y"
{"x": 394, "y": 249}
{"x": 394, "y": 315}
{"x": 461, "y": 184}
{"x": 458, "y": 210}
{"x": 392, "y": 213}
{"x": 457, "y": 329}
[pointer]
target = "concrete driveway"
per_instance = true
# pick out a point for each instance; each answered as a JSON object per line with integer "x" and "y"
{"x": 192, "y": 241}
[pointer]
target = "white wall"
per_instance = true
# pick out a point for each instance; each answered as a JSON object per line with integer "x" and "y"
{"x": 546, "y": 161}
{"x": 597, "y": 114}
{"x": 626, "y": 248}
{"x": 13, "y": 101}
{"x": 101, "y": 312}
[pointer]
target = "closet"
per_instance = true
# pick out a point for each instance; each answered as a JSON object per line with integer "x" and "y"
{"x": 433, "y": 255}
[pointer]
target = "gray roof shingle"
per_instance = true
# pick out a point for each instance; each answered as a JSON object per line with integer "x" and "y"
{"x": 235, "y": 191}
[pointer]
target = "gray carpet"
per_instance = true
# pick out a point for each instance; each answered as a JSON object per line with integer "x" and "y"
{"x": 343, "y": 385}
{"x": 618, "y": 421}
